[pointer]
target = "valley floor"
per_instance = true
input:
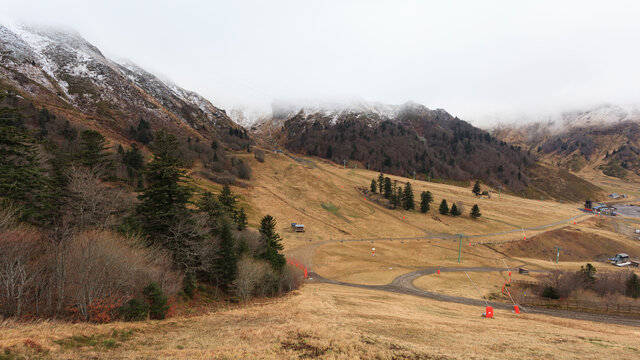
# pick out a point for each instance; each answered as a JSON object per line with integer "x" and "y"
{"x": 324, "y": 320}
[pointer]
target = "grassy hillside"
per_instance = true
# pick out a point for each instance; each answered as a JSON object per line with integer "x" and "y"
{"x": 294, "y": 190}
{"x": 326, "y": 198}
{"x": 329, "y": 322}
{"x": 558, "y": 183}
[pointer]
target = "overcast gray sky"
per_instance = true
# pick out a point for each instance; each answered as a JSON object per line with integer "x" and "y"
{"x": 480, "y": 60}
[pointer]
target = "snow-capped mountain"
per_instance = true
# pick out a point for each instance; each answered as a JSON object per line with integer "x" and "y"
{"x": 602, "y": 115}
{"x": 61, "y": 66}
{"x": 605, "y": 137}
{"x": 333, "y": 111}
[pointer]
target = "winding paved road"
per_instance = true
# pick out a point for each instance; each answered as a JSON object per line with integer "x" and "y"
{"x": 403, "y": 284}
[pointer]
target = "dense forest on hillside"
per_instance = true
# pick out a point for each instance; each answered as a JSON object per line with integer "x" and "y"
{"x": 94, "y": 230}
{"x": 431, "y": 143}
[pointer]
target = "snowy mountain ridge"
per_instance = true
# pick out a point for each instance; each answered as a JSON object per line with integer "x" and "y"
{"x": 333, "y": 110}
{"x": 60, "y": 62}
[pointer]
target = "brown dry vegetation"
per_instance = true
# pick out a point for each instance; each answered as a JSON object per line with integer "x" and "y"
{"x": 295, "y": 191}
{"x": 330, "y": 322}
{"x": 592, "y": 240}
{"x": 457, "y": 284}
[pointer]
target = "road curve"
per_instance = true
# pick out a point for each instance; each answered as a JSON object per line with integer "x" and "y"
{"x": 403, "y": 284}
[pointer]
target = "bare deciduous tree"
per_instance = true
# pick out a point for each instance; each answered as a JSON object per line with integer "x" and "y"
{"x": 250, "y": 274}
{"x": 105, "y": 268}
{"x": 92, "y": 203}
{"x": 290, "y": 278}
{"x": 8, "y": 216}
{"x": 19, "y": 270}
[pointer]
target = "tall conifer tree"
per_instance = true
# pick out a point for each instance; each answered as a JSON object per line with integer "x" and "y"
{"x": 271, "y": 243}
{"x": 163, "y": 202}
{"x": 408, "y": 201}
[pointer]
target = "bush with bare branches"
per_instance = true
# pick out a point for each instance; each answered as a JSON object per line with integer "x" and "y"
{"x": 8, "y": 215}
{"x": 251, "y": 272}
{"x": 88, "y": 274}
{"x": 21, "y": 270}
{"x": 91, "y": 203}
{"x": 576, "y": 284}
{"x": 291, "y": 278}
{"x": 105, "y": 269}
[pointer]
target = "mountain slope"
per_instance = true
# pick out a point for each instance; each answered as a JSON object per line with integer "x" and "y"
{"x": 606, "y": 138}
{"x": 402, "y": 140}
{"x": 61, "y": 69}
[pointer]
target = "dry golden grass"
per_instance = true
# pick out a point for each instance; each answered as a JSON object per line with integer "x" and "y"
{"x": 352, "y": 261}
{"x": 593, "y": 240}
{"x": 336, "y": 322}
{"x": 332, "y": 322}
{"x": 292, "y": 191}
{"x": 611, "y": 184}
{"x": 457, "y": 283}
{"x": 295, "y": 192}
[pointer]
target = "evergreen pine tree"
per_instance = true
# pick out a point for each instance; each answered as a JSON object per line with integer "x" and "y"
{"x": 425, "y": 204}
{"x": 241, "y": 220}
{"x": 93, "y": 150}
{"x": 143, "y": 132}
{"x": 475, "y": 212}
{"x": 68, "y": 132}
{"x": 476, "y": 188}
{"x": 242, "y": 248}
{"x": 429, "y": 197}
{"x": 454, "y": 210}
{"x": 164, "y": 200}
{"x": 21, "y": 180}
{"x": 133, "y": 158}
{"x": 396, "y": 199}
{"x": 408, "y": 201}
{"x": 158, "y": 304}
{"x": 227, "y": 199}
{"x": 388, "y": 189}
{"x": 633, "y": 285}
{"x": 57, "y": 192}
{"x": 271, "y": 243}
{"x": 381, "y": 183}
{"x": 225, "y": 260}
{"x": 209, "y": 205}
{"x": 444, "y": 208}
{"x": 374, "y": 186}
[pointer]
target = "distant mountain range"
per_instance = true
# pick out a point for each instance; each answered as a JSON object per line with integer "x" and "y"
{"x": 606, "y": 138}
